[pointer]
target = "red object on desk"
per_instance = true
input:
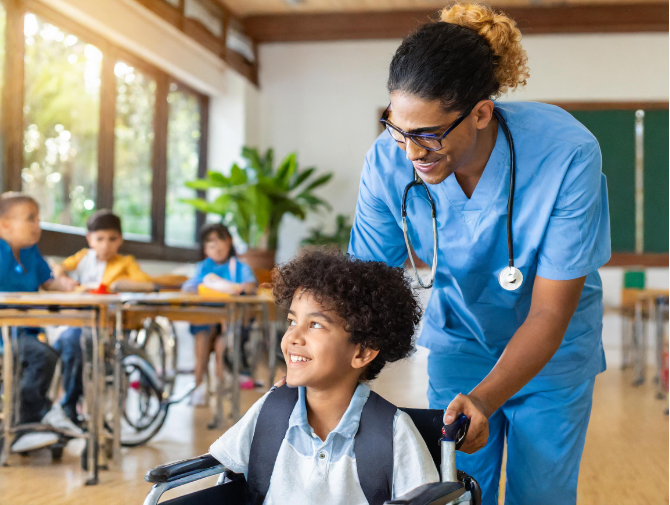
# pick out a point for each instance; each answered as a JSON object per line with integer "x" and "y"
{"x": 100, "y": 290}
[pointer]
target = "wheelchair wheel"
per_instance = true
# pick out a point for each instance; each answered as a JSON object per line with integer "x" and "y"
{"x": 144, "y": 402}
{"x": 157, "y": 340}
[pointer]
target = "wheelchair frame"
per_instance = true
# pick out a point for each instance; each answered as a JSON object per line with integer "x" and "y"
{"x": 453, "y": 485}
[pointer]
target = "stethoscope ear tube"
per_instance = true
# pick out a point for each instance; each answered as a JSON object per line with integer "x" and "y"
{"x": 510, "y": 278}
{"x": 403, "y": 210}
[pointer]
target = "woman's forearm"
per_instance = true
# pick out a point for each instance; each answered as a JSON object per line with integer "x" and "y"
{"x": 534, "y": 343}
{"x": 532, "y": 346}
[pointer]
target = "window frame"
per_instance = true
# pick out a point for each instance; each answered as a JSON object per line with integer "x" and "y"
{"x": 58, "y": 240}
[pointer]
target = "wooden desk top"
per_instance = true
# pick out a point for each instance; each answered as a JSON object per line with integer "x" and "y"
{"x": 73, "y": 300}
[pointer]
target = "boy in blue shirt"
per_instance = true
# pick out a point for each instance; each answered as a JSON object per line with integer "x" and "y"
{"x": 23, "y": 269}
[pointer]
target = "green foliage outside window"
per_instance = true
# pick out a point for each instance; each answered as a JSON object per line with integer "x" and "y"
{"x": 133, "y": 147}
{"x": 183, "y": 150}
{"x": 61, "y": 115}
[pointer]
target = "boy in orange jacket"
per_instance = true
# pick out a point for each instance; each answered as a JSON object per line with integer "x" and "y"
{"x": 101, "y": 264}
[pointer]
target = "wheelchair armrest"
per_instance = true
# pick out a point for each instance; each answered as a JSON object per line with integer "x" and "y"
{"x": 171, "y": 471}
{"x": 437, "y": 493}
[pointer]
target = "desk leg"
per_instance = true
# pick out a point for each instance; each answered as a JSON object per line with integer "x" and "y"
{"x": 238, "y": 318}
{"x": 229, "y": 324}
{"x": 8, "y": 403}
{"x": 660, "y": 306}
{"x": 93, "y": 400}
{"x": 639, "y": 346}
{"x": 271, "y": 328}
{"x": 117, "y": 396}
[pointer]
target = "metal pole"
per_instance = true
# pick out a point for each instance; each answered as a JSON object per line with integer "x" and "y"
{"x": 639, "y": 182}
{"x": 7, "y": 407}
{"x": 94, "y": 405}
{"x": 240, "y": 315}
{"x": 117, "y": 396}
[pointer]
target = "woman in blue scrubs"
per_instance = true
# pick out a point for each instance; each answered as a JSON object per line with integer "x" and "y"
{"x": 521, "y": 364}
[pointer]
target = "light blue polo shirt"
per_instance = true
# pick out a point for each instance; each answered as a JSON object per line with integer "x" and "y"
{"x": 560, "y": 228}
{"x": 311, "y": 471}
{"x": 240, "y": 274}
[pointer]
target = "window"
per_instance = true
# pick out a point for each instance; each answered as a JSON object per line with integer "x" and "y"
{"x": 133, "y": 148}
{"x": 94, "y": 127}
{"x": 61, "y": 119}
{"x": 183, "y": 155}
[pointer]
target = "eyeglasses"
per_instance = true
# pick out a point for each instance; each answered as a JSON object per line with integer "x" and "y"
{"x": 427, "y": 141}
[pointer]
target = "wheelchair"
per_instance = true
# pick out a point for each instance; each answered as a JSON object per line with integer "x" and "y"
{"x": 230, "y": 489}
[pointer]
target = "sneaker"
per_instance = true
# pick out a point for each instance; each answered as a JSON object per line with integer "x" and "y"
{"x": 34, "y": 440}
{"x": 199, "y": 396}
{"x": 57, "y": 418}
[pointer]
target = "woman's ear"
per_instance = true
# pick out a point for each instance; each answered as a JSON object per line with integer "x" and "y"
{"x": 483, "y": 112}
{"x": 363, "y": 356}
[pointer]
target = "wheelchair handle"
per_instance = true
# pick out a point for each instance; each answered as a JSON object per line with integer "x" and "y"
{"x": 456, "y": 431}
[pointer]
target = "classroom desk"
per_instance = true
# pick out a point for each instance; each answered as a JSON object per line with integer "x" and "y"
{"x": 649, "y": 305}
{"x": 230, "y": 311}
{"x": 53, "y": 309}
{"x": 101, "y": 313}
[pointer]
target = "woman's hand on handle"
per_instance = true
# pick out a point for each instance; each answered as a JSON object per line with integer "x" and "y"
{"x": 478, "y": 433}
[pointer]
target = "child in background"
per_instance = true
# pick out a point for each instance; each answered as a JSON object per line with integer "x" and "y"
{"x": 222, "y": 271}
{"x": 346, "y": 319}
{"x": 23, "y": 269}
{"x": 101, "y": 264}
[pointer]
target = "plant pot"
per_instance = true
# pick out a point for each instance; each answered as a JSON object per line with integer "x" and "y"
{"x": 259, "y": 259}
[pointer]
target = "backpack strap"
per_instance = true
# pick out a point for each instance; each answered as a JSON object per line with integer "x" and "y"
{"x": 373, "y": 448}
{"x": 269, "y": 434}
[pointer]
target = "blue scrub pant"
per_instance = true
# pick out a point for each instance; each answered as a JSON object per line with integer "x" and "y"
{"x": 545, "y": 434}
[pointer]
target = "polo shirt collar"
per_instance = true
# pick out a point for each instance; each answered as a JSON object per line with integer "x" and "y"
{"x": 348, "y": 425}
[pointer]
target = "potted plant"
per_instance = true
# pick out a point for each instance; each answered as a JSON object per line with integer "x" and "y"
{"x": 339, "y": 239}
{"x": 255, "y": 196}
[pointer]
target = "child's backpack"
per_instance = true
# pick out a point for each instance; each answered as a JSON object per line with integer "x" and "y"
{"x": 373, "y": 445}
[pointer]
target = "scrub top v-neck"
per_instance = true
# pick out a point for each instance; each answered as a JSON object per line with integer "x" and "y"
{"x": 560, "y": 227}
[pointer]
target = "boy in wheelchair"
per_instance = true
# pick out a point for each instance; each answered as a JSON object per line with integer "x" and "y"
{"x": 346, "y": 319}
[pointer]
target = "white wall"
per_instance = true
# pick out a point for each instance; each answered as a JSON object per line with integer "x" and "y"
{"x": 323, "y": 99}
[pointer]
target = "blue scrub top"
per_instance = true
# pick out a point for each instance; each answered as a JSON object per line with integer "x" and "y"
{"x": 27, "y": 276}
{"x": 242, "y": 273}
{"x": 560, "y": 229}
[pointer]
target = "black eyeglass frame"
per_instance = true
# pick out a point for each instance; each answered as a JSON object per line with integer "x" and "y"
{"x": 414, "y": 136}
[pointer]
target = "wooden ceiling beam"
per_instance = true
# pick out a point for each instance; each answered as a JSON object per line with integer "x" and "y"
{"x": 638, "y": 17}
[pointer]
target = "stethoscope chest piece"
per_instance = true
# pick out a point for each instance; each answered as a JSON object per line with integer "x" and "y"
{"x": 510, "y": 278}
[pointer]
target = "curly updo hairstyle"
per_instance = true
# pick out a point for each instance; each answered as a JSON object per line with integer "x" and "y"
{"x": 469, "y": 54}
{"x": 375, "y": 301}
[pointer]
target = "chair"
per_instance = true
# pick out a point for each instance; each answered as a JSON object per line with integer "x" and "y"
{"x": 230, "y": 488}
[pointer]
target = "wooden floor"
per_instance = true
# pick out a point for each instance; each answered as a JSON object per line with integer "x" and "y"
{"x": 625, "y": 459}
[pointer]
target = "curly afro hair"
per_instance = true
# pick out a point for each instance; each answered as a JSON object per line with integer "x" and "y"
{"x": 375, "y": 301}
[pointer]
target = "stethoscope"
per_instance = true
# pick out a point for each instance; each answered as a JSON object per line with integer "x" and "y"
{"x": 510, "y": 278}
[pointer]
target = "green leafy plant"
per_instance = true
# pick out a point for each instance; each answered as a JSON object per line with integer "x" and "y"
{"x": 340, "y": 238}
{"x": 255, "y": 196}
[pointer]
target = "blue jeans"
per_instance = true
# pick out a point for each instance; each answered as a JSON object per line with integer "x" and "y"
{"x": 68, "y": 347}
{"x": 545, "y": 433}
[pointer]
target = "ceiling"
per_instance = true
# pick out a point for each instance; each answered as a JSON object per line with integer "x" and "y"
{"x": 243, "y": 8}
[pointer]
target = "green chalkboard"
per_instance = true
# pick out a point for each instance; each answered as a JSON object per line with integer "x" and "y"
{"x": 615, "y": 131}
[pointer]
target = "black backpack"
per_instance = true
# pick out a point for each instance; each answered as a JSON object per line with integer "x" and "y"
{"x": 373, "y": 445}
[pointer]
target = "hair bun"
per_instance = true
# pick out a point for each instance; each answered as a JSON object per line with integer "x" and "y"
{"x": 502, "y": 36}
